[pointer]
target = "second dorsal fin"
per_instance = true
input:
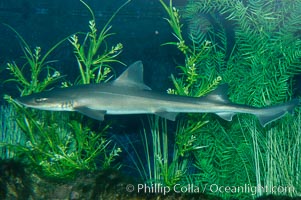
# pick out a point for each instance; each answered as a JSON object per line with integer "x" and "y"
{"x": 219, "y": 94}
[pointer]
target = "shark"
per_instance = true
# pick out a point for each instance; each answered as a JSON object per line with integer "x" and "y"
{"x": 128, "y": 94}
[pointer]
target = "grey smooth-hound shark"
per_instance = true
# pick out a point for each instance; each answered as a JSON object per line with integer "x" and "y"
{"x": 129, "y": 95}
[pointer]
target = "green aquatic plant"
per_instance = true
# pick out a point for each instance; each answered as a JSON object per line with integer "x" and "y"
{"x": 261, "y": 66}
{"x": 60, "y": 148}
{"x": 196, "y": 80}
{"x": 157, "y": 163}
{"x": 159, "y": 167}
{"x": 259, "y": 43}
{"x": 37, "y": 64}
{"x": 60, "y": 144}
{"x": 276, "y": 155}
{"x": 94, "y": 61}
{"x": 245, "y": 154}
{"x": 253, "y": 46}
{"x": 226, "y": 161}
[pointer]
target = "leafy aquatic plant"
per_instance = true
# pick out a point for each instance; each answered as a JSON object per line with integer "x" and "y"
{"x": 95, "y": 65}
{"x": 59, "y": 143}
{"x": 157, "y": 163}
{"x": 276, "y": 155}
{"x": 61, "y": 149}
{"x": 253, "y": 46}
{"x": 196, "y": 80}
{"x": 37, "y": 64}
{"x": 265, "y": 52}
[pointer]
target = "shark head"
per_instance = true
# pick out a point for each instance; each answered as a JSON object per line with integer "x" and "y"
{"x": 46, "y": 101}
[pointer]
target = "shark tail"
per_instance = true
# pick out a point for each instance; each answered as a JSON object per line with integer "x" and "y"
{"x": 273, "y": 113}
{"x": 264, "y": 115}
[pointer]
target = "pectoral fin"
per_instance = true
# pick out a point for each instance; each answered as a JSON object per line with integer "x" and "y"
{"x": 226, "y": 115}
{"x": 95, "y": 114}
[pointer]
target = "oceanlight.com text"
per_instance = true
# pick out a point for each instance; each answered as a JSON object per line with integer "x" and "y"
{"x": 247, "y": 188}
{"x": 158, "y": 188}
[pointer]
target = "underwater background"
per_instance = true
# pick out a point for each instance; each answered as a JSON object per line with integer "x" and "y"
{"x": 187, "y": 48}
{"x": 139, "y": 28}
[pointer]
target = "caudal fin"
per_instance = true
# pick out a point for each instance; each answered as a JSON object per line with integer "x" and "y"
{"x": 273, "y": 113}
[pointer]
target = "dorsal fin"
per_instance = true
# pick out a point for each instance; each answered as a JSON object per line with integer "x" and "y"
{"x": 132, "y": 77}
{"x": 219, "y": 94}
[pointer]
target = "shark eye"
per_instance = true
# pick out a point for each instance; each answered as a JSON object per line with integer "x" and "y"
{"x": 40, "y": 100}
